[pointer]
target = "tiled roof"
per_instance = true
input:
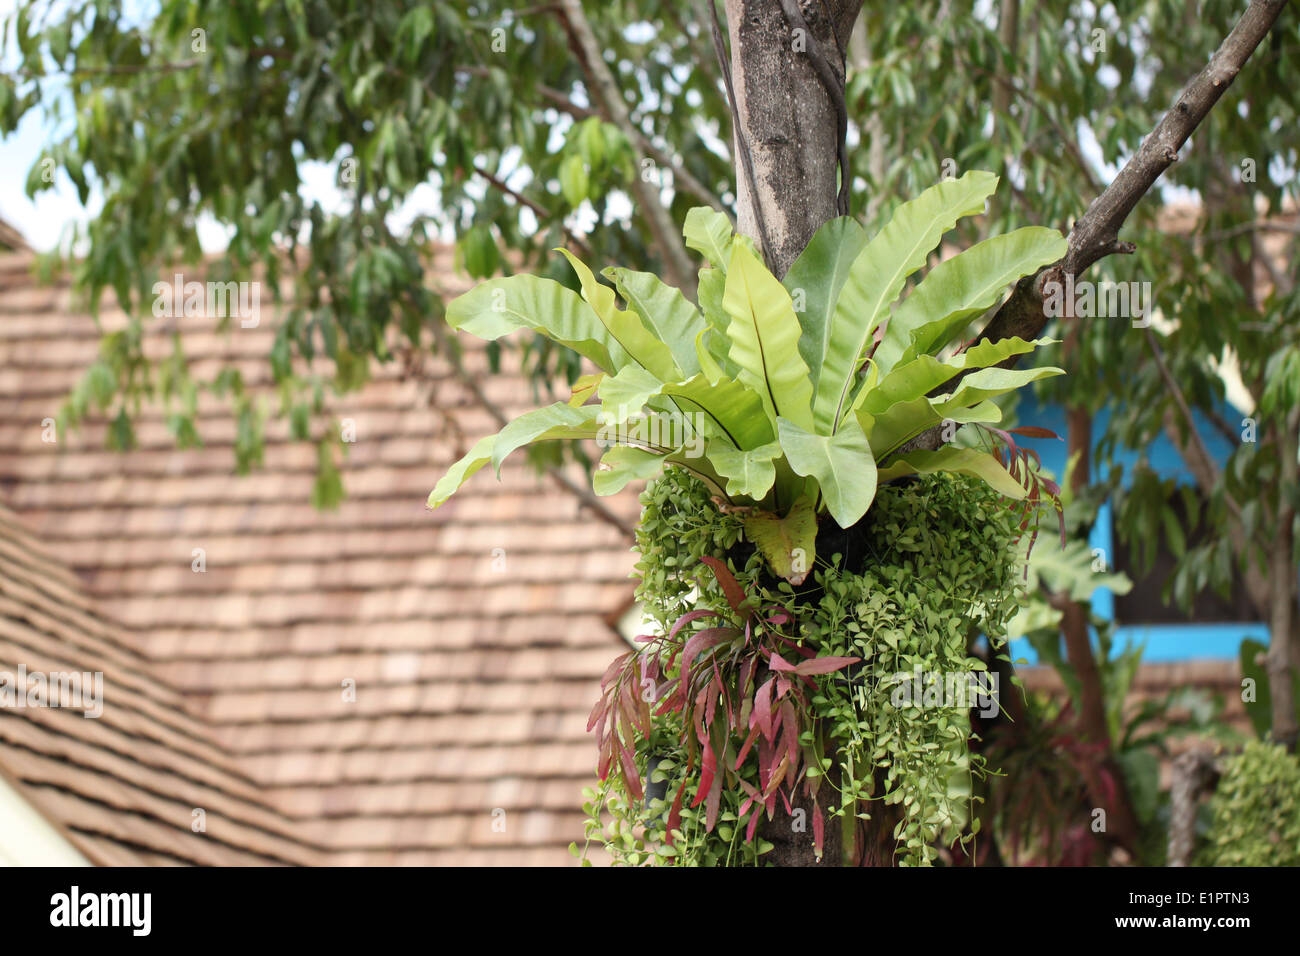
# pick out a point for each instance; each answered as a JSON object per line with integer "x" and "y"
{"x": 124, "y": 785}
{"x": 475, "y": 635}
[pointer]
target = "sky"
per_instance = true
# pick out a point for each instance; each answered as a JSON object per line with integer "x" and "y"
{"x": 41, "y": 220}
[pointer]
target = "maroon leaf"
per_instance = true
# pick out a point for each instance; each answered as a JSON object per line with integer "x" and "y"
{"x": 688, "y": 617}
{"x": 824, "y": 665}
{"x": 744, "y": 748}
{"x": 708, "y": 773}
{"x": 675, "y": 814}
{"x": 778, "y": 663}
{"x": 735, "y": 594}
{"x": 715, "y": 801}
{"x": 630, "y": 776}
{"x": 762, "y": 715}
{"x": 791, "y": 733}
{"x": 1033, "y": 431}
{"x": 709, "y": 637}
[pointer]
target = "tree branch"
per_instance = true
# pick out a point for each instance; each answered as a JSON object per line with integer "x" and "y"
{"x": 1096, "y": 234}
{"x": 1194, "y": 435}
{"x": 584, "y": 495}
{"x": 538, "y": 210}
{"x": 677, "y": 263}
{"x": 681, "y": 175}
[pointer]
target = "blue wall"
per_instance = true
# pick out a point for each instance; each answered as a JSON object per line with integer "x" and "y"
{"x": 1163, "y": 642}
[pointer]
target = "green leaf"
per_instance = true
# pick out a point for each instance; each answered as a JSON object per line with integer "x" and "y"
{"x": 878, "y": 274}
{"x": 461, "y": 471}
{"x": 963, "y": 461}
{"x": 709, "y": 233}
{"x": 900, "y": 422}
{"x": 664, "y": 309}
{"x": 735, "y": 409}
{"x": 710, "y": 364}
{"x": 922, "y": 374}
{"x": 625, "y": 394}
{"x": 748, "y": 473}
{"x": 574, "y": 181}
{"x": 764, "y": 334}
{"x": 789, "y": 544}
{"x": 907, "y": 382}
{"x": 842, "y": 465}
{"x": 501, "y": 306}
{"x": 625, "y": 464}
{"x": 558, "y": 421}
{"x": 963, "y": 287}
{"x": 991, "y": 382}
{"x": 817, "y": 277}
{"x": 624, "y": 327}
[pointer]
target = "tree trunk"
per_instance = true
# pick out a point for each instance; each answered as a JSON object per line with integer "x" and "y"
{"x": 787, "y": 118}
{"x": 789, "y": 124}
{"x": 1282, "y": 581}
{"x": 1122, "y": 825}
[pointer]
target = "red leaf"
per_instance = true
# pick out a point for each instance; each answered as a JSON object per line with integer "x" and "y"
{"x": 688, "y": 617}
{"x": 708, "y": 773}
{"x": 778, "y": 663}
{"x": 1033, "y": 431}
{"x": 791, "y": 734}
{"x": 744, "y": 749}
{"x": 819, "y": 828}
{"x": 629, "y": 772}
{"x": 709, "y": 637}
{"x": 735, "y": 594}
{"x": 597, "y": 713}
{"x": 614, "y": 667}
{"x": 746, "y": 672}
{"x": 824, "y": 665}
{"x": 762, "y": 715}
{"x": 777, "y": 778}
{"x": 715, "y": 801}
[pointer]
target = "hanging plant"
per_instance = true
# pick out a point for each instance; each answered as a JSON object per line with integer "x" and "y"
{"x": 751, "y": 692}
{"x": 789, "y": 404}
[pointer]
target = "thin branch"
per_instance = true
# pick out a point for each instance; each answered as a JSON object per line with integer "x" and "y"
{"x": 585, "y": 496}
{"x": 677, "y": 263}
{"x": 540, "y": 211}
{"x": 1096, "y": 234}
{"x": 681, "y": 175}
{"x": 738, "y": 138}
{"x": 1181, "y": 401}
{"x": 1263, "y": 225}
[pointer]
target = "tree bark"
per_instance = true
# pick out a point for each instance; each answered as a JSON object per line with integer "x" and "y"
{"x": 788, "y": 120}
